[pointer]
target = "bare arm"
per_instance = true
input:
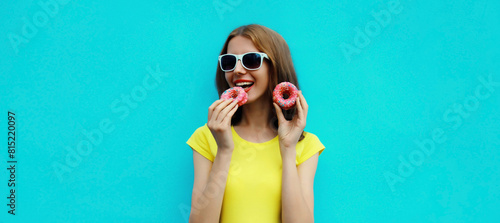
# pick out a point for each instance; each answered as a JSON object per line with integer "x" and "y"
{"x": 210, "y": 178}
{"x": 297, "y": 194}
{"x": 209, "y": 185}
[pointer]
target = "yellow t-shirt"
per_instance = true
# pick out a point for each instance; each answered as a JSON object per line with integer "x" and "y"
{"x": 253, "y": 187}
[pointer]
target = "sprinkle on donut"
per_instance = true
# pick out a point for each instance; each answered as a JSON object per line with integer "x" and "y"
{"x": 237, "y": 93}
{"x": 285, "y": 88}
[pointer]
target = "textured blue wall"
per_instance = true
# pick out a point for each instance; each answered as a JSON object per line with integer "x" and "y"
{"x": 405, "y": 95}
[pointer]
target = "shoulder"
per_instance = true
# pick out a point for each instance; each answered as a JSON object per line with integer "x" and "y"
{"x": 203, "y": 142}
{"x": 202, "y": 130}
{"x": 308, "y": 146}
{"x": 310, "y": 137}
{"x": 202, "y": 133}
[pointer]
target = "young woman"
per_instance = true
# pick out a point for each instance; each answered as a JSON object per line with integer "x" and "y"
{"x": 254, "y": 163}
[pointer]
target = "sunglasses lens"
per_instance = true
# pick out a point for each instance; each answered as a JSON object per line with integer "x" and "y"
{"x": 227, "y": 62}
{"x": 252, "y": 60}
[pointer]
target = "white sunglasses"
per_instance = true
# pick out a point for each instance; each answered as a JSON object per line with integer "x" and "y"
{"x": 250, "y": 61}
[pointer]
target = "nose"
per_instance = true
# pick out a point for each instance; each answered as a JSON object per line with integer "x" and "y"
{"x": 239, "y": 69}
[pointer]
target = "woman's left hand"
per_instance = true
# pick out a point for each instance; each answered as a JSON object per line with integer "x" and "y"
{"x": 290, "y": 131}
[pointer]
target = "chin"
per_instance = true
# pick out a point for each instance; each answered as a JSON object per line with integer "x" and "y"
{"x": 252, "y": 99}
{"x": 249, "y": 101}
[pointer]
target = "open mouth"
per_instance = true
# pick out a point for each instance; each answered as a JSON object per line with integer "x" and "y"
{"x": 245, "y": 85}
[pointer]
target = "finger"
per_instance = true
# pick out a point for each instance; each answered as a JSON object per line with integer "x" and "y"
{"x": 212, "y": 107}
{"x": 230, "y": 114}
{"x": 277, "y": 108}
{"x": 219, "y": 108}
{"x": 222, "y": 105}
{"x": 300, "y": 110}
{"x": 305, "y": 106}
{"x": 303, "y": 103}
{"x": 222, "y": 114}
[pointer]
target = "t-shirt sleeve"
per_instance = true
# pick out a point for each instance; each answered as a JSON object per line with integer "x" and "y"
{"x": 199, "y": 142}
{"x": 312, "y": 145}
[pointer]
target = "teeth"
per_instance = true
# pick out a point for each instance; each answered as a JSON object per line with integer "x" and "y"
{"x": 243, "y": 83}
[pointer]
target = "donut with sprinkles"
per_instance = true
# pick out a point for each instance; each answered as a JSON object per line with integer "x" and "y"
{"x": 237, "y": 93}
{"x": 285, "y": 88}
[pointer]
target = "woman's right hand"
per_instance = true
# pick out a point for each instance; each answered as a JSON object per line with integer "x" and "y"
{"x": 219, "y": 122}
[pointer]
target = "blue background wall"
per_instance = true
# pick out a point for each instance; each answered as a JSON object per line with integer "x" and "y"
{"x": 416, "y": 77}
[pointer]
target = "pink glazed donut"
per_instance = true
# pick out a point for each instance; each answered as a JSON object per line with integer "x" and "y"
{"x": 285, "y": 88}
{"x": 237, "y": 93}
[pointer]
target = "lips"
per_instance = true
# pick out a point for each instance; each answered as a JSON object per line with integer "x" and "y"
{"x": 247, "y": 88}
{"x": 245, "y": 84}
{"x": 242, "y": 80}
